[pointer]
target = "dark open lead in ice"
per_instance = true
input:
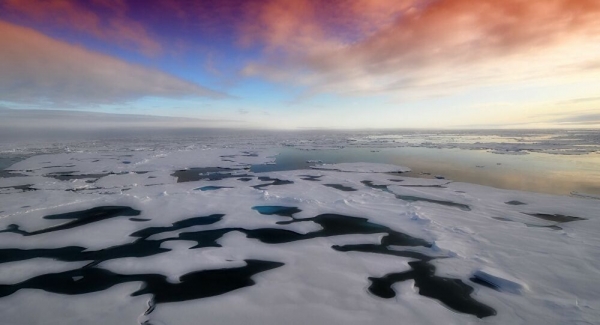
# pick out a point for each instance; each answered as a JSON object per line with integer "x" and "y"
{"x": 204, "y": 173}
{"x": 341, "y": 187}
{"x": 210, "y": 188}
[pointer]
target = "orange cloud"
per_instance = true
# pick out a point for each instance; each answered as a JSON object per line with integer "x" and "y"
{"x": 114, "y": 26}
{"x": 467, "y": 30}
{"x": 397, "y": 44}
{"x": 36, "y": 69}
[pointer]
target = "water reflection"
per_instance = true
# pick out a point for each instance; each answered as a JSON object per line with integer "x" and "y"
{"x": 543, "y": 173}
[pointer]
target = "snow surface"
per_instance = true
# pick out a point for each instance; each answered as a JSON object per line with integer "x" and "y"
{"x": 363, "y": 168}
{"x": 544, "y": 272}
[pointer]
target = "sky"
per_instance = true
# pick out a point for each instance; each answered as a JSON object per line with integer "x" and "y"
{"x": 303, "y": 64}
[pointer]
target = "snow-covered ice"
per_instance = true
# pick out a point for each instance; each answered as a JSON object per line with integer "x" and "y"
{"x": 122, "y": 234}
{"x": 363, "y": 168}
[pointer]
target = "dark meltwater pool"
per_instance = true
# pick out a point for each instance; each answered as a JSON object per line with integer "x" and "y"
{"x": 199, "y": 284}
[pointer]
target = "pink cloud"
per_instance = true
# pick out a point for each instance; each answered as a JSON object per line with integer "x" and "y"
{"x": 468, "y": 30}
{"x": 37, "y": 69}
{"x": 113, "y": 26}
{"x": 408, "y": 43}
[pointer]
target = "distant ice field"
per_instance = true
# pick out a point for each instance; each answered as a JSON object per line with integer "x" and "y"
{"x": 561, "y": 162}
{"x": 323, "y": 228}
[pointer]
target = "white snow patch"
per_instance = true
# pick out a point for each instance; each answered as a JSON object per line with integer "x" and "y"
{"x": 19, "y": 271}
{"x": 363, "y": 167}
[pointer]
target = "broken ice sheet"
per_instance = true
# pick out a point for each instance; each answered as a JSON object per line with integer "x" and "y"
{"x": 310, "y": 273}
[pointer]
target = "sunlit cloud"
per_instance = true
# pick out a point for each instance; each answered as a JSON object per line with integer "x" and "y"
{"x": 426, "y": 47}
{"x": 37, "y": 69}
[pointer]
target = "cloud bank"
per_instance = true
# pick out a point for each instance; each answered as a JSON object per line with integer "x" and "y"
{"x": 50, "y": 125}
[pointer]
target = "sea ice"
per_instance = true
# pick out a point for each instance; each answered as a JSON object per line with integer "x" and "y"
{"x": 424, "y": 240}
